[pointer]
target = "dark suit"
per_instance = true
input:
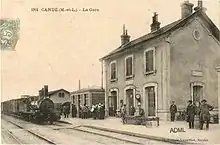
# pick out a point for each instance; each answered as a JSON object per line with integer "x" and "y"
{"x": 190, "y": 111}
{"x": 173, "y": 110}
{"x": 205, "y": 115}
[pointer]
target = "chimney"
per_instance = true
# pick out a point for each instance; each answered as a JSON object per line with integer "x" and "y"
{"x": 186, "y": 9}
{"x": 125, "y": 38}
{"x": 155, "y": 24}
{"x": 200, "y": 6}
{"x": 45, "y": 90}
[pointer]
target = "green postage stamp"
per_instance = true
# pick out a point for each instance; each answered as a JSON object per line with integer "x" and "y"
{"x": 9, "y": 33}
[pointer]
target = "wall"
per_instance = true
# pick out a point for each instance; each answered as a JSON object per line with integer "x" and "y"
{"x": 56, "y": 99}
{"x": 188, "y": 54}
{"x": 98, "y": 97}
{"x": 140, "y": 79}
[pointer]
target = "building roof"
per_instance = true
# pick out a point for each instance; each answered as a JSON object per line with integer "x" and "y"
{"x": 55, "y": 91}
{"x": 167, "y": 29}
{"x": 88, "y": 90}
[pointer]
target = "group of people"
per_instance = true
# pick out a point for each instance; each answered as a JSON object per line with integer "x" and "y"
{"x": 66, "y": 111}
{"x": 98, "y": 111}
{"x": 194, "y": 110}
{"x": 139, "y": 112}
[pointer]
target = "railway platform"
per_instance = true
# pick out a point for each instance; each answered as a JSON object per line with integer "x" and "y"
{"x": 168, "y": 131}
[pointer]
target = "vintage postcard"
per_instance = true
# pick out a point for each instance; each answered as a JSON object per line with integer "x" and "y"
{"x": 77, "y": 72}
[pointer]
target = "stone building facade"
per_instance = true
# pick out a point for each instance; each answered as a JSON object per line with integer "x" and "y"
{"x": 174, "y": 63}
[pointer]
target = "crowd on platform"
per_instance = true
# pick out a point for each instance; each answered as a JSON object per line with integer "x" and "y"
{"x": 196, "y": 114}
{"x": 96, "y": 111}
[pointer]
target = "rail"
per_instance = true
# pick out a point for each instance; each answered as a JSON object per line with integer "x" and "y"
{"x": 31, "y": 132}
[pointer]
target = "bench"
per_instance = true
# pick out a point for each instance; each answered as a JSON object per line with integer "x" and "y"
{"x": 137, "y": 120}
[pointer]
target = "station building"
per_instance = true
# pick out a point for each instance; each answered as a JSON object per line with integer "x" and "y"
{"x": 88, "y": 97}
{"x": 177, "y": 62}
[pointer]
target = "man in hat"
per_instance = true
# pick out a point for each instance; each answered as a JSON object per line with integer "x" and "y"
{"x": 132, "y": 110}
{"x": 140, "y": 111}
{"x": 173, "y": 110}
{"x": 190, "y": 111}
{"x": 123, "y": 113}
{"x": 204, "y": 113}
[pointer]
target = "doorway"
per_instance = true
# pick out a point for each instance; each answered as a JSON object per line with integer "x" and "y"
{"x": 197, "y": 93}
{"x": 130, "y": 100}
{"x": 150, "y": 100}
{"x": 113, "y": 103}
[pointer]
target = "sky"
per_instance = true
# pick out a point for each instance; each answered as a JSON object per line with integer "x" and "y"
{"x": 60, "y": 48}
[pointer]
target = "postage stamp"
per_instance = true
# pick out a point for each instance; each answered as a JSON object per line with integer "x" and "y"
{"x": 9, "y": 33}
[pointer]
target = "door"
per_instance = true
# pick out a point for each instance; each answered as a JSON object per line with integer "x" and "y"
{"x": 113, "y": 103}
{"x": 197, "y": 93}
{"x": 151, "y": 102}
{"x": 130, "y": 99}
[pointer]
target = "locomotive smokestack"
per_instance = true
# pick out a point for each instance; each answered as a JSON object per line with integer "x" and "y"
{"x": 45, "y": 90}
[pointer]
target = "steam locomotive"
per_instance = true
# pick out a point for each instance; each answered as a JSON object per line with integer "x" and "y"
{"x": 36, "y": 109}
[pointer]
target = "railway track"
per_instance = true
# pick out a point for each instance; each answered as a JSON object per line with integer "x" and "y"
{"x": 11, "y": 134}
{"x": 48, "y": 141}
{"x": 66, "y": 133}
{"x": 117, "y": 137}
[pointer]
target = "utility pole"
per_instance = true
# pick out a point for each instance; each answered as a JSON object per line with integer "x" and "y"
{"x": 79, "y": 85}
{"x": 102, "y": 75}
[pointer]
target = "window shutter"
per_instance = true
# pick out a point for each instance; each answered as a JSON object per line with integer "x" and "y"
{"x": 149, "y": 60}
{"x": 129, "y": 66}
{"x": 113, "y": 71}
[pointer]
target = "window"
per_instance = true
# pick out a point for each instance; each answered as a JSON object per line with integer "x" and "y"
{"x": 113, "y": 71}
{"x": 73, "y": 99}
{"x": 197, "y": 93}
{"x": 149, "y": 60}
{"x": 86, "y": 99}
{"x": 79, "y": 100}
{"x": 61, "y": 95}
{"x": 129, "y": 66}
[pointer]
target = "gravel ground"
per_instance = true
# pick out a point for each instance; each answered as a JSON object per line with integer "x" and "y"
{"x": 57, "y": 133}
{"x": 61, "y": 133}
{"x": 21, "y": 135}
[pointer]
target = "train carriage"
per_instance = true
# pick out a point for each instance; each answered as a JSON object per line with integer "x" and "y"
{"x": 33, "y": 108}
{"x": 38, "y": 111}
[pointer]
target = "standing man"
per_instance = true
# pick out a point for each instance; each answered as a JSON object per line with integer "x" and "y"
{"x": 173, "y": 110}
{"x": 123, "y": 113}
{"x": 140, "y": 111}
{"x": 204, "y": 114}
{"x": 132, "y": 110}
{"x": 190, "y": 111}
{"x": 102, "y": 111}
{"x": 74, "y": 110}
